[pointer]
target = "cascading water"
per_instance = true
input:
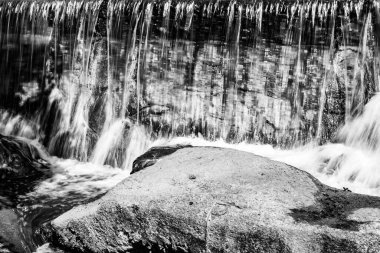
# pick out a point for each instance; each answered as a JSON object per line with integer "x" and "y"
{"x": 96, "y": 83}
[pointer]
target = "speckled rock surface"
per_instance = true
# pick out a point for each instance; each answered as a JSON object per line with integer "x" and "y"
{"x": 10, "y": 233}
{"x": 219, "y": 200}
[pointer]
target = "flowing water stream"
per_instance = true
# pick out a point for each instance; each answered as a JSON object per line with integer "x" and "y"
{"x": 94, "y": 84}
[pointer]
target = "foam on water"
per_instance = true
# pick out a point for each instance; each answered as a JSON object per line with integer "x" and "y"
{"x": 72, "y": 177}
{"x": 74, "y": 181}
{"x": 46, "y": 248}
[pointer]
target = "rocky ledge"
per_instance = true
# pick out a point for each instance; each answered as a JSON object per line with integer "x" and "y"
{"x": 220, "y": 200}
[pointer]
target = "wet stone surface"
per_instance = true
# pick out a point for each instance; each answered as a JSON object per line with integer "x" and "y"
{"x": 150, "y": 157}
{"x": 219, "y": 200}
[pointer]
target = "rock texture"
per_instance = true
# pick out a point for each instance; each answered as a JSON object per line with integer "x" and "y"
{"x": 22, "y": 166}
{"x": 10, "y": 234}
{"x": 220, "y": 200}
{"x": 153, "y": 155}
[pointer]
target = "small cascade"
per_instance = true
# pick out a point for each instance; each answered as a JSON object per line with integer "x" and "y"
{"x": 364, "y": 131}
{"x": 137, "y": 142}
{"x": 96, "y": 83}
{"x": 16, "y": 125}
{"x": 107, "y": 141}
{"x": 92, "y": 72}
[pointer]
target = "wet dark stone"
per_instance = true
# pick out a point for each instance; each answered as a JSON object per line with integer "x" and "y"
{"x": 152, "y": 155}
{"x": 21, "y": 167}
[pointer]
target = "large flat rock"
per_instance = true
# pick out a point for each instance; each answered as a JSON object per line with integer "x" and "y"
{"x": 220, "y": 200}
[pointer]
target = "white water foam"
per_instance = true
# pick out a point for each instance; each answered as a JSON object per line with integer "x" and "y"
{"x": 15, "y": 124}
{"x": 46, "y": 248}
{"x": 71, "y": 177}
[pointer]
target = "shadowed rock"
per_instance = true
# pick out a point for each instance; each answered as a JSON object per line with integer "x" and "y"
{"x": 219, "y": 200}
{"x": 22, "y": 165}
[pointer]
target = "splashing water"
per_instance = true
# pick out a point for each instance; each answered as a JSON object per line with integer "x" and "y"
{"x": 77, "y": 178}
{"x": 364, "y": 131}
{"x": 16, "y": 125}
{"x": 107, "y": 141}
{"x": 72, "y": 183}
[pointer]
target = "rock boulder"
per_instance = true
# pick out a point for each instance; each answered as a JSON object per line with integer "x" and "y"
{"x": 202, "y": 199}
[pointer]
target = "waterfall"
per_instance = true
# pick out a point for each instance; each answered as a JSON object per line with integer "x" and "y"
{"x": 87, "y": 79}
{"x": 93, "y": 84}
